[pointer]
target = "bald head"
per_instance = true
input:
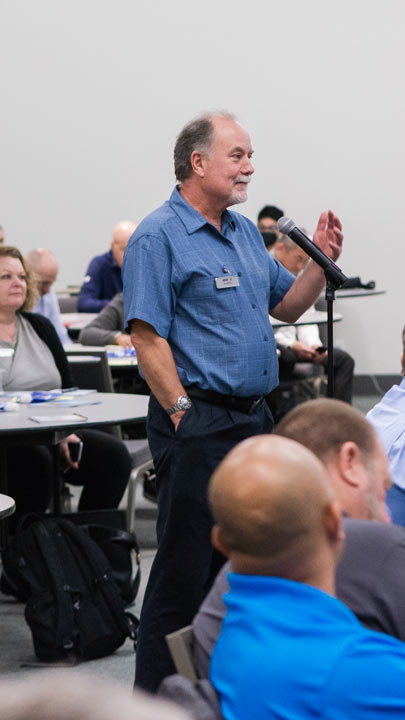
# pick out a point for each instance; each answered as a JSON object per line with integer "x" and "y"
{"x": 271, "y": 503}
{"x": 45, "y": 267}
{"x": 121, "y": 234}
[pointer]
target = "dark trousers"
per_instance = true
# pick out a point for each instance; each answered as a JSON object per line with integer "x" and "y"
{"x": 103, "y": 471}
{"x": 185, "y": 563}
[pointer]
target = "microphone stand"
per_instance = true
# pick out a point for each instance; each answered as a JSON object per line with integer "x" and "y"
{"x": 334, "y": 280}
{"x": 332, "y": 284}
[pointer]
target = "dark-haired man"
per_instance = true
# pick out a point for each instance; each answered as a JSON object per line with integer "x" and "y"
{"x": 198, "y": 288}
{"x": 267, "y": 224}
{"x": 288, "y": 648}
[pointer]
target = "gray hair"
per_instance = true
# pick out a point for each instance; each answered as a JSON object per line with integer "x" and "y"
{"x": 197, "y": 136}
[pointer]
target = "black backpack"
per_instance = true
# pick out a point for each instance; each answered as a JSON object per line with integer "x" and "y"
{"x": 75, "y": 610}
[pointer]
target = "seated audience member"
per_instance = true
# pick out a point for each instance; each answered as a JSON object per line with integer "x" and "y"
{"x": 368, "y": 580}
{"x": 388, "y": 418}
{"x": 45, "y": 267}
{"x": 103, "y": 276}
{"x": 65, "y": 695}
{"x": 303, "y": 340}
{"x": 38, "y": 362}
{"x": 288, "y": 647}
{"x": 108, "y": 327}
{"x": 267, "y": 224}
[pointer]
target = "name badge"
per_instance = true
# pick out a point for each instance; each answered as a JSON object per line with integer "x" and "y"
{"x": 6, "y": 352}
{"x": 226, "y": 281}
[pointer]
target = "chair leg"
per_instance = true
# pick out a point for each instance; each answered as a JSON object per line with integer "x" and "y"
{"x": 137, "y": 475}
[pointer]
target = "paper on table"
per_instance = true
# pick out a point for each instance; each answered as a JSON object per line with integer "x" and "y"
{"x": 76, "y": 403}
{"x": 54, "y": 419}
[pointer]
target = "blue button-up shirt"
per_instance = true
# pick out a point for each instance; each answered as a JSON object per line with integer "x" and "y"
{"x": 221, "y": 339}
{"x": 388, "y": 418}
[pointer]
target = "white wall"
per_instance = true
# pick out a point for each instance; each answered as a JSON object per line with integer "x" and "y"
{"x": 93, "y": 93}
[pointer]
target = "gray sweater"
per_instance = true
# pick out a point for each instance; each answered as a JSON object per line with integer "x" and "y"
{"x": 107, "y": 325}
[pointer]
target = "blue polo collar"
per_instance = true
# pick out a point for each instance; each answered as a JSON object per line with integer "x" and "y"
{"x": 191, "y": 218}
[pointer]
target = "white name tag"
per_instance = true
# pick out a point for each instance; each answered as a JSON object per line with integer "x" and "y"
{"x": 226, "y": 281}
{"x": 6, "y": 352}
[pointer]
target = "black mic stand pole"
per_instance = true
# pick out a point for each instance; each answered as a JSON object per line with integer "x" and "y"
{"x": 331, "y": 287}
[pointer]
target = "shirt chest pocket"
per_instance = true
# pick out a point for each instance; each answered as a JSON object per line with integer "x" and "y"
{"x": 210, "y": 304}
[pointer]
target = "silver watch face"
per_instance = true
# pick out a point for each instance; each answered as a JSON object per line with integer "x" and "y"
{"x": 183, "y": 402}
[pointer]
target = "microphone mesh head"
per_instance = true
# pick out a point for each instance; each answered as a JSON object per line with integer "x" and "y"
{"x": 285, "y": 225}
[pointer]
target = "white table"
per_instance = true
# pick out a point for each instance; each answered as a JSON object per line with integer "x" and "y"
{"x": 357, "y": 292}
{"x": 74, "y": 322}
{"x": 77, "y": 321}
{"x": 17, "y": 428}
{"x": 7, "y": 506}
{"x": 80, "y": 349}
{"x": 310, "y": 317}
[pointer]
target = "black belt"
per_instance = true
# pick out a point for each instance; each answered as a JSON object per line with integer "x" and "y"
{"x": 230, "y": 402}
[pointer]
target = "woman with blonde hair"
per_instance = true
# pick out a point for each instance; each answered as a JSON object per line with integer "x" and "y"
{"x": 32, "y": 358}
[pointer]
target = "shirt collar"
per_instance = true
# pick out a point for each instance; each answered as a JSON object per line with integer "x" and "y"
{"x": 192, "y": 219}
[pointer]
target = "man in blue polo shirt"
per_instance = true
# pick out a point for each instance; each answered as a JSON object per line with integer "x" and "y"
{"x": 198, "y": 288}
{"x": 288, "y": 648}
{"x": 103, "y": 276}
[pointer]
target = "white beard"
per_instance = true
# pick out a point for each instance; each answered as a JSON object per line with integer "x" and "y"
{"x": 238, "y": 196}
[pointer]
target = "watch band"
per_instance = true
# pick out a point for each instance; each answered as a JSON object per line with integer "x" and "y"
{"x": 183, "y": 403}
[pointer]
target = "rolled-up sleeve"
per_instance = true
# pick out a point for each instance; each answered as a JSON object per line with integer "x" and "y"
{"x": 148, "y": 285}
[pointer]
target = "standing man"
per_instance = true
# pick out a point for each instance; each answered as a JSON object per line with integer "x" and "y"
{"x": 46, "y": 268}
{"x": 198, "y": 288}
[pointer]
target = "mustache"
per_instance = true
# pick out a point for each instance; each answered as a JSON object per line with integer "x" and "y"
{"x": 243, "y": 179}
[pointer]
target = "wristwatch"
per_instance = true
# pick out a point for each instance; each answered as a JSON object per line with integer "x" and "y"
{"x": 183, "y": 403}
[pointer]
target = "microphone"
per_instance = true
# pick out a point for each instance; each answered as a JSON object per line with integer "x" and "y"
{"x": 333, "y": 273}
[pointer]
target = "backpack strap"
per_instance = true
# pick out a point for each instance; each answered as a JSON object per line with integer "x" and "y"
{"x": 45, "y": 532}
{"x": 120, "y": 538}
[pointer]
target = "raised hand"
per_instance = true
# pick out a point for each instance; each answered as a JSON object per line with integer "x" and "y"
{"x": 328, "y": 234}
